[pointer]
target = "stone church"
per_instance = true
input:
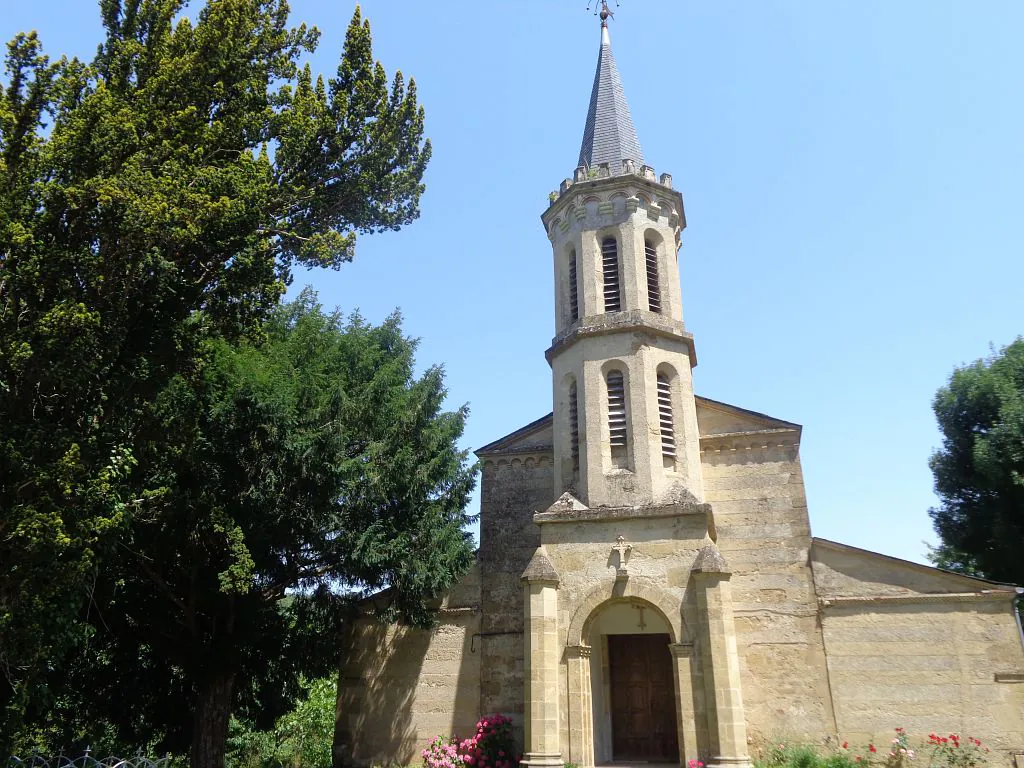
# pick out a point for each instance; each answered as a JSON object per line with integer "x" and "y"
{"x": 647, "y": 588}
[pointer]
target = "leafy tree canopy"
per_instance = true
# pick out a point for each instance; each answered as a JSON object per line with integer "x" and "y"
{"x": 979, "y": 470}
{"x": 152, "y": 199}
{"x": 300, "y": 473}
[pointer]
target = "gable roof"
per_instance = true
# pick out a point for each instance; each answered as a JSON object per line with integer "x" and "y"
{"x": 927, "y": 571}
{"x": 524, "y": 439}
{"x": 750, "y": 418}
{"x": 536, "y": 436}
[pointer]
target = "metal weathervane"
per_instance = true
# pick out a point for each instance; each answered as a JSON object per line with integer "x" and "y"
{"x": 601, "y": 9}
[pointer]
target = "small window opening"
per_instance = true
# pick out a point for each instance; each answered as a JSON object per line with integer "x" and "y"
{"x": 653, "y": 287}
{"x": 574, "y": 428}
{"x": 574, "y": 299}
{"x": 610, "y": 268}
{"x": 668, "y": 435}
{"x": 617, "y": 419}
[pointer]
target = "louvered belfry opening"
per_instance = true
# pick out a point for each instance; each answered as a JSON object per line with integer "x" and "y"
{"x": 574, "y": 298}
{"x": 618, "y": 437}
{"x": 610, "y": 269}
{"x": 653, "y": 286}
{"x": 574, "y": 430}
{"x": 668, "y": 432}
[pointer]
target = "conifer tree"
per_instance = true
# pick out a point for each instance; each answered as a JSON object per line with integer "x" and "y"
{"x": 298, "y": 474}
{"x": 152, "y": 201}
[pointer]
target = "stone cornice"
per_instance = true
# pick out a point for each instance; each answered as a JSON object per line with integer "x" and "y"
{"x": 578, "y": 651}
{"x": 628, "y": 321}
{"x": 753, "y": 439}
{"x": 862, "y": 601}
{"x": 623, "y": 513}
{"x": 534, "y": 451}
{"x": 681, "y": 650}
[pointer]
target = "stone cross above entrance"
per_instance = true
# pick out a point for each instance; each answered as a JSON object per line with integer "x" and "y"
{"x": 623, "y": 550}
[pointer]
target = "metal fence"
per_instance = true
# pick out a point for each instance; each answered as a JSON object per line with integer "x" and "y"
{"x": 86, "y": 760}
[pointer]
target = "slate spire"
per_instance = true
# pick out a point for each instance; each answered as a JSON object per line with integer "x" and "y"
{"x": 609, "y": 136}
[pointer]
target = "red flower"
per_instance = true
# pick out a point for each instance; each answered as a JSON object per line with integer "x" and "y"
{"x": 846, "y": 745}
{"x": 871, "y": 747}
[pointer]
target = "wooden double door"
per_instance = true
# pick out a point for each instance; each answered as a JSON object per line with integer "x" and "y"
{"x": 643, "y": 706}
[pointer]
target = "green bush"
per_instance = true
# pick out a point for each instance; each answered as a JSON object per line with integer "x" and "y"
{"x": 300, "y": 739}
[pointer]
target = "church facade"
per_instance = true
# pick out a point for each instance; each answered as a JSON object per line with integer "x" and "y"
{"x": 647, "y": 588}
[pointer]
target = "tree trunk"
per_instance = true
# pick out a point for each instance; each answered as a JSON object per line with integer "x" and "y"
{"x": 212, "y": 715}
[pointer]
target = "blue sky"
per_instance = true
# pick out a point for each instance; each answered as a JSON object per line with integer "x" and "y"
{"x": 852, "y": 174}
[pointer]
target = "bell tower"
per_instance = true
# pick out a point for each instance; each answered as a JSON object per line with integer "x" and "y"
{"x": 625, "y": 420}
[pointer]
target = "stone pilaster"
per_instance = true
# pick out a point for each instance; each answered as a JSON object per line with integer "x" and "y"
{"x": 541, "y": 661}
{"x": 727, "y": 723}
{"x": 686, "y": 724}
{"x": 581, "y": 724}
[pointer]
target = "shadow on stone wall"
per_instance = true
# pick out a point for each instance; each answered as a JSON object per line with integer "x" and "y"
{"x": 400, "y": 687}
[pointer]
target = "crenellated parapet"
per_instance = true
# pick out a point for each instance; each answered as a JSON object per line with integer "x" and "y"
{"x": 600, "y": 192}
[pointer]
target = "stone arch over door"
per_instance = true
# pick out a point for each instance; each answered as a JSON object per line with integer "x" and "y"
{"x": 581, "y": 747}
{"x": 632, "y": 589}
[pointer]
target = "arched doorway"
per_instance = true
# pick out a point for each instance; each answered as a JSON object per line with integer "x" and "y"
{"x": 632, "y": 683}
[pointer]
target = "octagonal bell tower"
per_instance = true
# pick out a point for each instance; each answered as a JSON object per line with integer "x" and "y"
{"x": 625, "y": 421}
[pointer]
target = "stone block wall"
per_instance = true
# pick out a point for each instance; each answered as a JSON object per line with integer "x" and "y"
{"x": 400, "y": 687}
{"x": 949, "y": 667}
{"x": 909, "y": 646}
{"x": 756, "y": 489}
{"x": 512, "y": 489}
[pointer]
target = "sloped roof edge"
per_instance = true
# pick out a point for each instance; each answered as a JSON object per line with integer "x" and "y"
{"x": 746, "y": 412}
{"x": 837, "y": 546}
{"x": 533, "y": 426}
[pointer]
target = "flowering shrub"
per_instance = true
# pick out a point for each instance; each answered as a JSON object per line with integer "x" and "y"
{"x": 441, "y": 753}
{"x": 954, "y": 752}
{"x": 946, "y": 752}
{"x": 490, "y": 747}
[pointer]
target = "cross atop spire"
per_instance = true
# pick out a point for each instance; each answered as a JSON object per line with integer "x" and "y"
{"x": 609, "y": 135}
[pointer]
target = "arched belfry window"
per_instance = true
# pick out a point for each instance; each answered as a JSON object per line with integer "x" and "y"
{"x": 653, "y": 285}
{"x": 610, "y": 271}
{"x": 666, "y": 421}
{"x": 574, "y": 296}
{"x": 618, "y": 436}
{"x": 574, "y": 428}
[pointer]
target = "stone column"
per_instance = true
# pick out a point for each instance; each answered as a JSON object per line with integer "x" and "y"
{"x": 686, "y": 724}
{"x": 541, "y": 662}
{"x": 581, "y": 723}
{"x": 727, "y": 727}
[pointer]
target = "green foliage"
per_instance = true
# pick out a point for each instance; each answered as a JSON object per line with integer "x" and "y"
{"x": 153, "y": 200}
{"x": 979, "y": 470}
{"x": 896, "y": 752}
{"x": 300, "y": 739}
{"x": 302, "y": 471}
{"x": 794, "y": 756}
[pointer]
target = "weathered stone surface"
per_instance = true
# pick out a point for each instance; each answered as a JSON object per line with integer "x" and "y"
{"x": 709, "y": 560}
{"x": 540, "y": 569}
